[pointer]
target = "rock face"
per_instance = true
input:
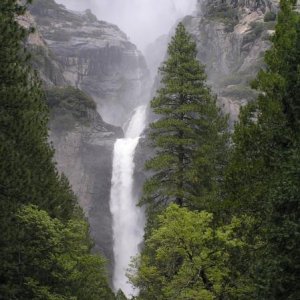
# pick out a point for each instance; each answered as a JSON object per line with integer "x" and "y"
{"x": 50, "y": 70}
{"x": 212, "y": 6}
{"x": 232, "y": 37}
{"x": 155, "y": 54}
{"x": 83, "y": 145}
{"x": 87, "y": 67}
{"x": 96, "y": 57}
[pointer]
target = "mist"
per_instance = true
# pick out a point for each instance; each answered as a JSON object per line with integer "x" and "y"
{"x": 142, "y": 20}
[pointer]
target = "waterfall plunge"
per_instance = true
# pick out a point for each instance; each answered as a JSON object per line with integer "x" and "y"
{"x": 128, "y": 219}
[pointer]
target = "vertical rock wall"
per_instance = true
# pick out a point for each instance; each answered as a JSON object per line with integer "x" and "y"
{"x": 232, "y": 37}
{"x": 73, "y": 49}
{"x": 96, "y": 57}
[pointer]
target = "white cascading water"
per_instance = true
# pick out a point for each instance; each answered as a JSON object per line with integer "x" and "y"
{"x": 128, "y": 219}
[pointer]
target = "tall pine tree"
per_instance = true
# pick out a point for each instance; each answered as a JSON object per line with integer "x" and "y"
{"x": 45, "y": 248}
{"x": 189, "y": 136}
{"x": 263, "y": 175}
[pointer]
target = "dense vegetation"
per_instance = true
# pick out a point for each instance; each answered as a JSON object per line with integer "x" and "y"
{"x": 44, "y": 243}
{"x": 223, "y": 213}
{"x": 263, "y": 175}
{"x": 224, "y": 223}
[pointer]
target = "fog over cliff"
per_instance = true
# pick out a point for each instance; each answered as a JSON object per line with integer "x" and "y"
{"x": 142, "y": 20}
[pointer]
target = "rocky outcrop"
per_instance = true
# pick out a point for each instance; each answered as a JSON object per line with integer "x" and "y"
{"x": 83, "y": 145}
{"x": 87, "y": 66}
{"x": 207, "y": 7}
{"x": 96, "y": 57}
{"x": 232, "y": 37}
{"x": 49, "y": 69}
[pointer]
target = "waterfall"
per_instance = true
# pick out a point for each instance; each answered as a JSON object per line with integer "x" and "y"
{"x": 128, "y": 219}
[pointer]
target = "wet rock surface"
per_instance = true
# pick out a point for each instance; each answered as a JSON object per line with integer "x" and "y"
{"x": 96, "y": 57}
{"x": 84, "y": 155}
{"x": 232, "y": 37}
{"x": 91, "y": 73}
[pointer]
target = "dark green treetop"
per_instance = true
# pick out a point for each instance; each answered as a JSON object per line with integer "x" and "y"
{"x": 44, "y": 242}
{"x": 27, "y": 173}
{"x": 263, "y": 174}
{"x": 189, "y": 136}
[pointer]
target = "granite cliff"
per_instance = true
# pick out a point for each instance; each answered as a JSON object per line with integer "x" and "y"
{"x": 95, "y": 56}
{"x": 83, "y": 145}
{"x": 232, "y": 37}
{"x": 91, "y": 73}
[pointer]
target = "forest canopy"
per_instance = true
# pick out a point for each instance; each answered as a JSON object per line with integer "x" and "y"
{"x": 234, "y": 231}
{"x": 222, "y": 205}
{"x": 45, "y": 248}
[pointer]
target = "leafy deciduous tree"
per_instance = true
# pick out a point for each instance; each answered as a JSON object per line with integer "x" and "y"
{"x": 187, "y": 258}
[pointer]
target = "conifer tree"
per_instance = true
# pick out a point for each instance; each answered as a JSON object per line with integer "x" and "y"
{"x": 36, "y": 245}
{"x": 263, "y": 174}
{"x": 27, "y": 172}
{"x": 189, "y": 136}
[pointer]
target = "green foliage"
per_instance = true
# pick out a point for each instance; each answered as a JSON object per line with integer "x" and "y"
{"x": 283, "y": 64}
{"x": 223, "y": 13}
{"x": 52, "y": 260}
{"x": 90, "y": 16}
{"x": 190, "y": 135}
{"x": 47, "y": 9}
{"x": 44, "y": 243}
{"x": 270, "y": 16}
{"x": 69, "y": 99}
{"x": 68, "y": 106}
{"x": 240, "y": 91}
{"x": 186, "y": 257}
{"x": 42, "y": 6}
{"x": 270, "y": 25}
{"x": 44, "y": 62}
{"x": 262, "y": 178}
{"x": 120, "y": 295}
{"x": 257, "y": 28}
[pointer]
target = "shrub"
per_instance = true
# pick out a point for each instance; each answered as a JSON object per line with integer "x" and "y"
{"x": 257, "y": 28}
{"x": 270, "y": 16}
{"x": 59, "y": 35}
{"x": 240, "y": 92}
{"x": 68, "y": 97}
{"x": 68, "y": 105}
